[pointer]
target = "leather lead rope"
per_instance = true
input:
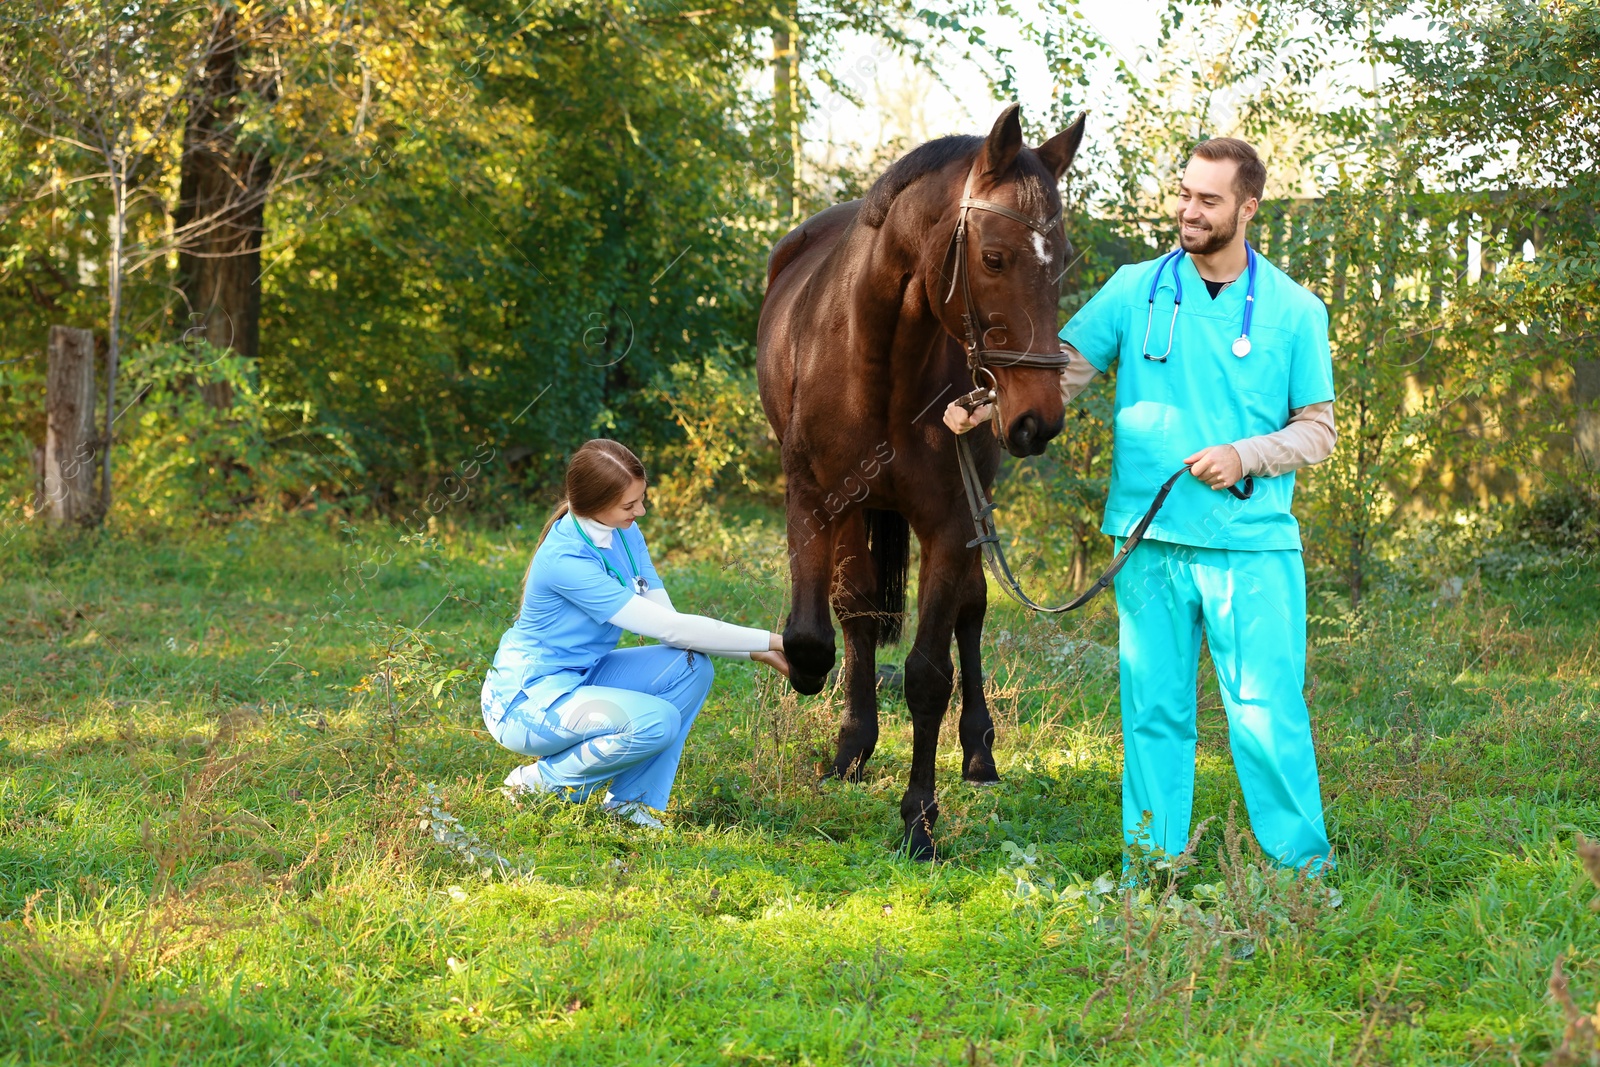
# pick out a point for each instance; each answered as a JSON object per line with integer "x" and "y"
{"x": 988, "y": 534}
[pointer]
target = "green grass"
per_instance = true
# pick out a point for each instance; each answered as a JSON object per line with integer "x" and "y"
{"x": 210, "y": 848}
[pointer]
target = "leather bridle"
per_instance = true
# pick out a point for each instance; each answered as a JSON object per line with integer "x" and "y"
{"x": 979, "y": 361}
{"x": 980, "y": 358}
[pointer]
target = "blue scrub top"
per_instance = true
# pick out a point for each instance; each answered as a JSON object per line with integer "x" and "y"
{"x": 561, "y": 631}
{"x": 1203, "y": 395}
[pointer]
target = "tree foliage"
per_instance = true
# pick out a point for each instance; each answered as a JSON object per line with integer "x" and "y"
{"x": 513, "y": 225}
{"x": 1431, "y": 178}
{"x": 497, "y": 229}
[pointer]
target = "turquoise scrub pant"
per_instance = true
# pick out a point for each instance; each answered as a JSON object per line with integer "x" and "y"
{"x": 1252, "y": 605}
{"x": 626, "y": 724}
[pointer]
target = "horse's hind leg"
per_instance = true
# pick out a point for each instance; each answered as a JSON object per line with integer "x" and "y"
{"x": 977, "y": 728}
{"x": 930, "y": 678}
{"x": 854, "y": 596}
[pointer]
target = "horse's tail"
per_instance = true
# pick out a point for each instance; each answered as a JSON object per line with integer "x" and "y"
{"x": 889, "y": 542}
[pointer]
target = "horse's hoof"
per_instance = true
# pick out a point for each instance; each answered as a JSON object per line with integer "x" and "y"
{"x": 983, "y": 783}
{"x": 977, "y": 767}
{"x": 806, "y": 685}
{"x": 919, "y": 846}
{"x": 852, "y": 770}
{"x": 918, "y": 841}
{"x": 810, "y": 660}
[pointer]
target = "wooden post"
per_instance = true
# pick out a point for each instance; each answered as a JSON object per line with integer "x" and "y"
{"x": 1586, "y": 391}
{"x": 68, "y": 460}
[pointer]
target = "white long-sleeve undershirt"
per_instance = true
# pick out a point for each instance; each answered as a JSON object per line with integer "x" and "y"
{"x": 653, "y": 615}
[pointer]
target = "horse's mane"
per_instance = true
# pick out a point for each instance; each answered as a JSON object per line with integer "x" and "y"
{"x": 1030, "y": 176}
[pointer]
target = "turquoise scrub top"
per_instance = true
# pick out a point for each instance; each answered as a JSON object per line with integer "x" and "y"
{"x": 1203, "y": 395}
{"x": 562, "y": 629}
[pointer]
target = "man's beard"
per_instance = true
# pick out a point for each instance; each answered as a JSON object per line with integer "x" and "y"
{"x": 1213, "y": 240}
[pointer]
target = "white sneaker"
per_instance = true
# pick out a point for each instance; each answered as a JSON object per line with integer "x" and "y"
{"x": 523, "y": 780}
{"x": 636, "y": 813}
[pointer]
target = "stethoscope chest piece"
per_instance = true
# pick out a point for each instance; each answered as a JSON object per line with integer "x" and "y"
{"x": 1241, "y": 347}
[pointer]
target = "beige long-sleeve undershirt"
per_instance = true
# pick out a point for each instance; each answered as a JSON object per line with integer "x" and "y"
{"x": 1308, "y": 438}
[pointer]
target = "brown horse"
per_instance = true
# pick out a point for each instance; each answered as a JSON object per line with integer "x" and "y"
{"x": 860, "y": 350}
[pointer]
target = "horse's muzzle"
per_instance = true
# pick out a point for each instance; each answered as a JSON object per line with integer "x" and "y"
{"x": 1028, "y": 434}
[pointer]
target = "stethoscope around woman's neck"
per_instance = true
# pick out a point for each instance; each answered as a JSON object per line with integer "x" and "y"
{"x": 1241, "y": 344}
{"x": 641, "y": 585}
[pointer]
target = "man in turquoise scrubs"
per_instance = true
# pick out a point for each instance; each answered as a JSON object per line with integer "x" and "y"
{"x": 1224, "y": 366}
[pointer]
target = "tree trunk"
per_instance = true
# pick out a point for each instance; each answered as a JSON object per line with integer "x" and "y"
{"x": 222, "y": 195}
{"x": 67, "y": 461}
{"x": 1079, "y": 575}
{"x": 786, "y": 112}
{"x": 1586, "y": 394}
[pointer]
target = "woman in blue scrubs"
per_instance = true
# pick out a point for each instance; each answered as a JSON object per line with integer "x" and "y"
{"x": 560, "y": 688}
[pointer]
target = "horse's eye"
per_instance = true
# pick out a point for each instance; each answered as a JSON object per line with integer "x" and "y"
{"x": 993, "y": 261}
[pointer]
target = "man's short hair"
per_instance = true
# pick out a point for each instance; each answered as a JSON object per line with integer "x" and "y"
{"x": 1250, "y": 179}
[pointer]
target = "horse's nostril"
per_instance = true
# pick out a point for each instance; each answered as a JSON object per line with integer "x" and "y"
{"x": 1024, "y": 433}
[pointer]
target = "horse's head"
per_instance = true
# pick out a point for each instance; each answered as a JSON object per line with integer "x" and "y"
{"x": 1013, "y": 269}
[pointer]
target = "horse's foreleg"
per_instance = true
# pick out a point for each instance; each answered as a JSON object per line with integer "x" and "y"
{"x": 930, "y": 679}
{"x": 808, "y": 633}
{"x": 855, "y": 602}
{"x": 977, "y": 728}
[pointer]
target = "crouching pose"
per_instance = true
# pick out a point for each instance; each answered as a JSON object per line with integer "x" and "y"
{"x": 560, "y": 688}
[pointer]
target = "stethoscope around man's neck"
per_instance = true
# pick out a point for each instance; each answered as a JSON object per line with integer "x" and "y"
{"x": 1241, "y": 344}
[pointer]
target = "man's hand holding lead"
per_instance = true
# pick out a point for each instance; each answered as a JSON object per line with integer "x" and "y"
{"x": 1218, "y": 466}
{"x": 960, "y": 421}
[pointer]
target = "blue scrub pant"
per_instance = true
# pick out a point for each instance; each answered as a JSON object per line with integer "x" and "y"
{"x": 1252, "y": 605}
{"x": 626, "y": 724}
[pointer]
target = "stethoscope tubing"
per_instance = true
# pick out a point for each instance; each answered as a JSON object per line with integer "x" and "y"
{"x": 1241, "y": 347}
{"x": 639, "y": 583}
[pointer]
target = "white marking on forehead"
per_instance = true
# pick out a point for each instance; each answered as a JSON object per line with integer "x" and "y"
{"x": 1039, "y": 249}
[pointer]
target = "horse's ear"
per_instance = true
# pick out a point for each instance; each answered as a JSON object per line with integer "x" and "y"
{"x": 1004, "y": 142}
{"x": 1058, "y": 151}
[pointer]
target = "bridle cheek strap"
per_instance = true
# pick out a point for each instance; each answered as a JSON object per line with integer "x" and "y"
{"x": 979, "y": 357}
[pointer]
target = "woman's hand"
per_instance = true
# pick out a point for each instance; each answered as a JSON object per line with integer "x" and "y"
{"x": 774, "y": 642}
{"x": 773, "y": 659}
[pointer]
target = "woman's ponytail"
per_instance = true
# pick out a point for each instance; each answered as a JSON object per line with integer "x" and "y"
{"x": 549, "y": 524}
